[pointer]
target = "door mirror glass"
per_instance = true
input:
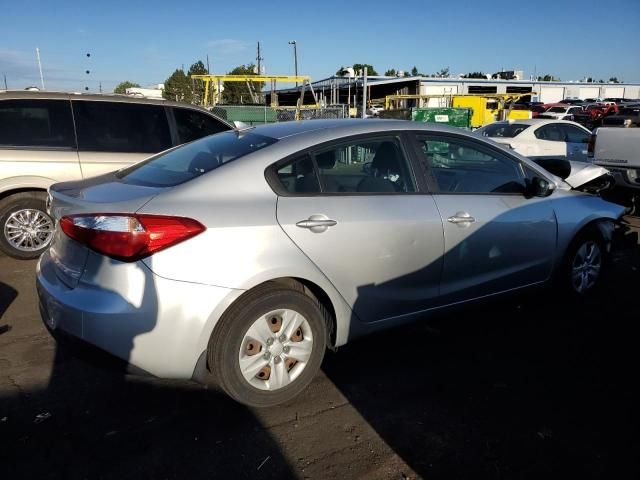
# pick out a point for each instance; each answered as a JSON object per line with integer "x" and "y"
{"x": 539, "y": 187}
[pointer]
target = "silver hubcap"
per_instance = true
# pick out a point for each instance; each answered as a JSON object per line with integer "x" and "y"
{"x": 276, "y": 349}
{"x": 28, "y": 230}
{"x": 586, "y": 266}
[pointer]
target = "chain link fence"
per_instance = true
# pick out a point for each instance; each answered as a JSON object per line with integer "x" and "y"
{"x": 259, "y": 114}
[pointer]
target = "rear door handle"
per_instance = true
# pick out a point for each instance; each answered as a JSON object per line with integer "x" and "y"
{"x": 317, "y": 223}
{"x": 461, "y": 218}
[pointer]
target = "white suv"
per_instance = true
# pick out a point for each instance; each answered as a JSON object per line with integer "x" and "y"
{"x": 52, "y": 137}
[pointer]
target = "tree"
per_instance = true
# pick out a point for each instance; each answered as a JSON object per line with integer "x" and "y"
{"x": 238, "y": 92}
{"x": 391, "y": 72}
{"x": 548, "y": 78}
{"x": 475, "y": 75}
{"x": 122, "y": 87}
{"x": 197, "y": 86}
{"x": 178, "y": 87}
{"x": 414, "y": 71}
{"x": 589, "y": 80}
{"x": 614, "y": 80}
{"x": 359, "y": 67}
{"x": 444, "y": 73}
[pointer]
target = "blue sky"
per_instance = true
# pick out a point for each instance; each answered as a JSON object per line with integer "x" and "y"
{"x": 146, "y": 41}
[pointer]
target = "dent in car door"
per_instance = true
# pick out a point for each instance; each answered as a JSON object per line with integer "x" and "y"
{"x": 381, "y": 250}
{"x": 113, "y": 135}
{"x": 495, "y": 238}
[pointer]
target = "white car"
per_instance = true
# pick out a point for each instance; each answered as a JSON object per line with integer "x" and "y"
{"x": 562, "y": 112}
{"x": 541, "y": 138}
{"x": 375, "y": 109}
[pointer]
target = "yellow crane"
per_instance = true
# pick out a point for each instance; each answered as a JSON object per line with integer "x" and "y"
{"x": 214, "y": 83}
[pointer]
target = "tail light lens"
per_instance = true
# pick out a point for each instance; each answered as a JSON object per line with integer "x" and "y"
{"x": 591, "y": 146}
{"x": 129, "y": 237}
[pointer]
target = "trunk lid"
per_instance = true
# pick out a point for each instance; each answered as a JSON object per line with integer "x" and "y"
{"x": 103, "y": 194}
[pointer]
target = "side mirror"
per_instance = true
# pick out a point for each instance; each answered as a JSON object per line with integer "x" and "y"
{"x": 539, "y": 187}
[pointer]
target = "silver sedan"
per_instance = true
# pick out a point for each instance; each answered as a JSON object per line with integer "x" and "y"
{"x": 250, "y": 252}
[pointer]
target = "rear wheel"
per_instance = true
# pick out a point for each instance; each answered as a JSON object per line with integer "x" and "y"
{"x": 25, "y": 228}
{"x": 269, "y": 345}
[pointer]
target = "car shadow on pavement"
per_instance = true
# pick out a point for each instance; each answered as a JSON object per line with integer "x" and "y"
{"x": 7, "y": 296}
{"x": 95, "y": 421}
{"x": 534, "y": 386}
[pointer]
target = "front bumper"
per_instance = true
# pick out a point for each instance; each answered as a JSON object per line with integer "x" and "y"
{"x": 158, "y": 325}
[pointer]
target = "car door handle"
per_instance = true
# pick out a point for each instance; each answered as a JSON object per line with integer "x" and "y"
{"x": 460, "y": 218}
{"x": 316, "y": 223}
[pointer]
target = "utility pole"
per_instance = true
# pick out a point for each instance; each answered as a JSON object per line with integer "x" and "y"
{"x": 40, "y": 67}
{"x": 5, "y": 82}
{"x": 259, "y": 59}
{"x": 100, "y": 87}
{"x": 295, "y": 56}
{"x": 364, "y": 92}
{"x": 208, "y": 71}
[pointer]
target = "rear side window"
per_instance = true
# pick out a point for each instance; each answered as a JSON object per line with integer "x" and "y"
{"x": 121, "y": 127}
{"x": 193, "y": 125}
{"x": 504, "y": 130}
{"x": 190, "y": 161}
{"x": 36, "y": 123}
{"x": 299, "y": 176}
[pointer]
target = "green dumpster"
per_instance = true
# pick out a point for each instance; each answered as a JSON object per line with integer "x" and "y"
{"x": 456, "y": 117}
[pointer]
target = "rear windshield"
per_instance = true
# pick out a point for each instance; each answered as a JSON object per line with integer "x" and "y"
{"x": 557, "y": 109}
{"x": 506, "y": 130}
{"x": 193, "y": 159}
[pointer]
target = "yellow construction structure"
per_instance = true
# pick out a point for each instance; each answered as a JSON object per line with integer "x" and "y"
{"x": 213, "y": 84}
{"x": 486, "y": 107}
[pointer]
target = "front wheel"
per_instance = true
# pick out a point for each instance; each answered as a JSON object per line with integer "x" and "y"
{"x": 584, "y": 264}
{"x": 26, "y": 229}
{"x": 269, "y": 345}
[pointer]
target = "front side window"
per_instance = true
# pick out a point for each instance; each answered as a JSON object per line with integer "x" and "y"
{"x": 503, "y": 130}
{"x": 36, "y": 123}
{"x": 193, "y": 125}
{"x": 460, "y": 166}
{"x": 552, "y": 133}
{"x": 197, "y": 158}
{"x": 121, "y": 127}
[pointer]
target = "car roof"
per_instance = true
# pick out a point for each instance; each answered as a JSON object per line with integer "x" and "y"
{"x": 110, "y": 97}
{"x": 345, "y": 127}
{"x": 535, "y": 121}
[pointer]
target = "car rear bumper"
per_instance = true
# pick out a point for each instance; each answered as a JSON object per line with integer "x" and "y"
{"x": 158, "y": 325}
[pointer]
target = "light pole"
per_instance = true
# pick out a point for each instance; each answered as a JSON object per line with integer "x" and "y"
{"x": 295, "y": 57}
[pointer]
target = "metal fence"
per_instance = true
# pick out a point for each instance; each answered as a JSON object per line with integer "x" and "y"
{"x": 259, "y": 114}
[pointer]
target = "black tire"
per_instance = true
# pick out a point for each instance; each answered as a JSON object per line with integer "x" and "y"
{"x": 227, "y": 338}
{"x": 12, "y": 204}
{"x": 565, "y": 275}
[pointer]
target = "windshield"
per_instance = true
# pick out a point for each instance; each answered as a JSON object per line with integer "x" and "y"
{"x": 505, "y": 130}
{"x": 557, "y": 109}
{"x": 193, "y": 159}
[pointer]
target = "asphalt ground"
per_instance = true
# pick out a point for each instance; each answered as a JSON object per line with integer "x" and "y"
{"x": 528, "y": 387}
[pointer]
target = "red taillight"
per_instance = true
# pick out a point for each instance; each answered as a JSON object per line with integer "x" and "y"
{"x": 129, "y": 237}
{"x": 591, "y": 146}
